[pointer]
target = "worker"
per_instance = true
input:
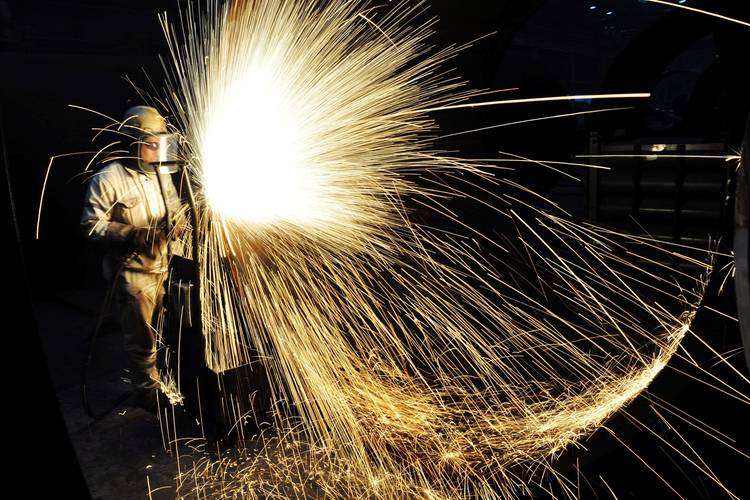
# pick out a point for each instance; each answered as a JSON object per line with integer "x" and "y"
{"x": 127, "y": 205}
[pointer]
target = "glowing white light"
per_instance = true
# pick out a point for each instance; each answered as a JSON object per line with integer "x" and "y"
{"x": 254, "y": 164}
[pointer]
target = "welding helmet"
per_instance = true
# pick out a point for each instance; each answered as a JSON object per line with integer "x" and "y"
{"x": 145, "y": 126}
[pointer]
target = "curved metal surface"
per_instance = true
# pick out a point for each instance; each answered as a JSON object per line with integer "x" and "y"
{"x": 742, "y": 214}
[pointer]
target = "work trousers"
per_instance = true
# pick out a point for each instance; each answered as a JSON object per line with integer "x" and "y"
{"x": 139, "y": 299}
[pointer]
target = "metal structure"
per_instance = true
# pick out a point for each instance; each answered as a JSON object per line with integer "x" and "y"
{"x": 682, "y": 199}
{"x": 741, "y": 217}
{"x": 228, "y": 404}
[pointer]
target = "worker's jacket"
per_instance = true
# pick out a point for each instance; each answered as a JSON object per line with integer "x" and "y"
{"x": 120, "y": 199}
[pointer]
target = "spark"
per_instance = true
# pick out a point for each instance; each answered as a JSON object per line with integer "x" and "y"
{"x": 407, "y": 354}
{"x": 531, "y": 120}
{"x": 407, "y": 357}
{"x": 640, "y": 95}
{"x": 656, "y": 156}
{"x": 46, "y": 180}
{"x": 44, "y": 188}
{"x": 704, "y": 12}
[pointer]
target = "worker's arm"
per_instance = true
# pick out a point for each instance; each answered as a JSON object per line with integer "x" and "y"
{"x": 96, "y": 220}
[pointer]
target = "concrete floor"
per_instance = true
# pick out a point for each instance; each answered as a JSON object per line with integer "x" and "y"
{"x": 124, "y": 453}
{"x": 131, "y": 453}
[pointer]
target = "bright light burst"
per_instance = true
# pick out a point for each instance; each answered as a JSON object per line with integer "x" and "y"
{"x": 253, "y": 153}
{"x": 414, "y": 355}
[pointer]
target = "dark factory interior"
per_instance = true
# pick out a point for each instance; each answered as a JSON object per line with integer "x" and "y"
{"x": 61, "y": 58}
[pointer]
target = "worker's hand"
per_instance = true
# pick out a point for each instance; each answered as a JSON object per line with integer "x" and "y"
{"x": 146, "y": 238}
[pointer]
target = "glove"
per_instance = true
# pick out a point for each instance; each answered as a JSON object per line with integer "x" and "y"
{"x": 145, "y": 238}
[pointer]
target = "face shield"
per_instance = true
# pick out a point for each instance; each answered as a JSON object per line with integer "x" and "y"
{"x": 161, "y": 151}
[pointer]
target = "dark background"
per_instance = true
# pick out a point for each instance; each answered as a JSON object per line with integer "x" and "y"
{"x": 57, "y": 53}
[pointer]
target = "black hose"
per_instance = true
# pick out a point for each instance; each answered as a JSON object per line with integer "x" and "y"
{"x": 195, "y": 236}
{"x": 87, "y": 360}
